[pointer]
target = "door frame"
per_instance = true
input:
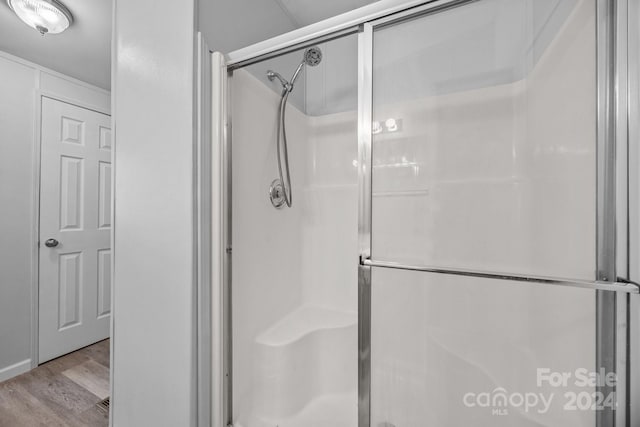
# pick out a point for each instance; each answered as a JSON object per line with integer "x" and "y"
{"x": 37, "y": 175}
{"x": 618, "y": 208}
{"x": 215, "y": 351}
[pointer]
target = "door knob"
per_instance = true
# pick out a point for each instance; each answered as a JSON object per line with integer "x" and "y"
{"x": 51, "y": 243}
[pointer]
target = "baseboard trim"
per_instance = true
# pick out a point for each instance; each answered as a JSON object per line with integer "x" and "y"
{"x": 15, "y": 369}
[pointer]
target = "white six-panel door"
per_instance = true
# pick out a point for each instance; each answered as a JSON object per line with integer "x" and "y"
{"x": 75, "y": 222}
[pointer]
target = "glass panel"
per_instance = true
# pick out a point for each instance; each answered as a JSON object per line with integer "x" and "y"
{"x": 453, "y": 351}
{"x": 294, "y": 273}
{"x": 484, "y": 145}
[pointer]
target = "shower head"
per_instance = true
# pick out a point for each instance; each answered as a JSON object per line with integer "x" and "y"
{"x": 312, "y": 56}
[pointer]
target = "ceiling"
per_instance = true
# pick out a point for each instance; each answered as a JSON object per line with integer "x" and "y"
{"x": 306, "y": 12}
{"x": 83, "y": 51}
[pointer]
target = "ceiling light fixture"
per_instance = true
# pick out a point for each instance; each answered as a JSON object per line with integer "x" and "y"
{"x": 46, "y": 16}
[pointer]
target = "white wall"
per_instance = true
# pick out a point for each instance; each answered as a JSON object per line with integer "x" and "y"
{"x": 20, "y": 83}
{"x": 154, "y": 302}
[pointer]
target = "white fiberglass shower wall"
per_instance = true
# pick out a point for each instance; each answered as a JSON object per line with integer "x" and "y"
{"x": 294, "y": 308}
{"x": 447, "y": 179}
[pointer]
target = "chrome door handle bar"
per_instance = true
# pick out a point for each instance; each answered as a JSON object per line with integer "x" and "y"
{"x": 620, "y": 285}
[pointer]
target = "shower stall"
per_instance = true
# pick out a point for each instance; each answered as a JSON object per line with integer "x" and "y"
{"x": 462, "y": 245}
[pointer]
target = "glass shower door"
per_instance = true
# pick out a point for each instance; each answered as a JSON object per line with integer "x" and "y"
{"x": 484, "y": 139}
{"x": 482, "y": 203}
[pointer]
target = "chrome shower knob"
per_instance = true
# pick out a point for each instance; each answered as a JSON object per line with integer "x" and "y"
{"x": 276, "y": 194}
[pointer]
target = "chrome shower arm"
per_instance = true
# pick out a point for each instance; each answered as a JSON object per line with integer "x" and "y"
{"x": 295, "y": 75}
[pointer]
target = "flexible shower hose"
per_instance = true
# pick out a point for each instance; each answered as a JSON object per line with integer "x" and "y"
{"x": 282, "y": 149}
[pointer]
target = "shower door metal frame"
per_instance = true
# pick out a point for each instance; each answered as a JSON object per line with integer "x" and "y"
{"x": 632, "y": 104}
{"x": 618, "y": 57}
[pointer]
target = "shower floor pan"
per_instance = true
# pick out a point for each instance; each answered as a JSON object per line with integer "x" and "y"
{"x": 338, "y": 410}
